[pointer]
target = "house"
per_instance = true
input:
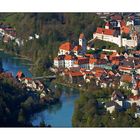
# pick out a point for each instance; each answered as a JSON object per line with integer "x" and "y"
{"x": 126, "y": 69}
{"x": 117, "y": 95}
{"x": 87, "y": 74}
{"x": 29, "y": 83}
{"x": 104, "y": 34}
{"x": 69, "y": 60}
{"x": 65, "y": 48}
{"x": 125, "y": 29}
{"x": 38, "y": 85}
{"x": 125, "y": 80}
{"x": 74, "y": 77}
{"x": 59, "y": 61}
{"x": 115, "y": 36}
{"x": 82, "y": 62}
{"x": 6, "y": 38}
{"x": 112, "y": 106}
{"x": 20, "y": 75}
{"x": 134, "y": 99}
{"x": 114, "y": 55}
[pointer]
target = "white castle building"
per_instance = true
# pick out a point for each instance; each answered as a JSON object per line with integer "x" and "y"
{"x": 110, "y": 35}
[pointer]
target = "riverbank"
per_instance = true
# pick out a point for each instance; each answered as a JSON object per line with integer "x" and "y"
{"x": 31, "y": 102}
{"x": 70, "y": 85}
{"x": 59, "y": 114}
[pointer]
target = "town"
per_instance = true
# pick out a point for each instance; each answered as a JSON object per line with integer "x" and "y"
{"x": 108, "y": 67}
{"x": 102, "y": 65}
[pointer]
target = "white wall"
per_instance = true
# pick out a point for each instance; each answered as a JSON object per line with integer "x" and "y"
{"x": 116, "y": 40}
{"x": 69, "y": 63}
{"x": 63, "y": 52}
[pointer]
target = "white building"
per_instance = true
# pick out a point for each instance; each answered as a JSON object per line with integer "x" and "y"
{"x": 69, "y": 61}
{"x": 59, "y": 61}
{"x": 108, "y": 35}
{"x": 65, "y": 48}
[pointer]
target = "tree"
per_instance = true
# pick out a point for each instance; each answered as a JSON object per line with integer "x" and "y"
{"x": 42, "y": 123}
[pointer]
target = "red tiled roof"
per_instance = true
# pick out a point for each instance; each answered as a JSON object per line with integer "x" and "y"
{"x": 19, "y": 74}
{"x": 111, "y": 73}
{"x": 125, "y": 29}
{"x": 98, "y": 74}
{"x": 124, "y": 68}
{"x": 89, "y": 55}
{"x": 115, "y": 62}
{"x": 105, "y": 31}
{"x": 138, "y": 84}
{"x": 69, "y": 57}
{"x": 76, "y": 73}
{"x": 66, "y": 46}
{"x": 27, "y": 78}
{"x": 92, "y": 60}
{"x": 126, "y": 78}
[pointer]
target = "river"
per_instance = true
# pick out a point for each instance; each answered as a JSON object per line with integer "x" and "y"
{"x": 58, "y": 115}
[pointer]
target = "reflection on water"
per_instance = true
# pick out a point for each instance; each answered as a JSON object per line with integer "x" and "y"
{"x": 60, "y": 114}
{"x": 10, "y": 64}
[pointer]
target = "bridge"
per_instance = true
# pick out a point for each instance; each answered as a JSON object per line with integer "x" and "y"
{"x": 50, "y": 77}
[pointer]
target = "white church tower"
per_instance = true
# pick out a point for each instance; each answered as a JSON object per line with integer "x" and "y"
{"x": 83, "y": 43}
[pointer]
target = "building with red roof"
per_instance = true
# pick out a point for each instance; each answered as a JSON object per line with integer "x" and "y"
{"x": 20, "y": 75}
{"x": 112, "y": 35}
{"x": 74, "y": 77}
{"x": 105, "y": 31}
{"x": 65, "y": 48}
{"x": 69, "y": 60}
{"x": 82, "y": 62}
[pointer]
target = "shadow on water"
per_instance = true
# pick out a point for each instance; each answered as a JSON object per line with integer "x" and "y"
{"x": 59, "y": 114}
{"x": 10, "y": 64}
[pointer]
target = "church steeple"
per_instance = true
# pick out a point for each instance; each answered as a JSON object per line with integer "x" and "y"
{"x": 83, "y": 43}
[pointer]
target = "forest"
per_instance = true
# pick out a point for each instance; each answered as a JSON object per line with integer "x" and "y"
{"x": 53, "y": 29}
{"x": 17, "y": 104}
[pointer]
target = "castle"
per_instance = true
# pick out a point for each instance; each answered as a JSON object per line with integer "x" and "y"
{"x": 115, "y": 35}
